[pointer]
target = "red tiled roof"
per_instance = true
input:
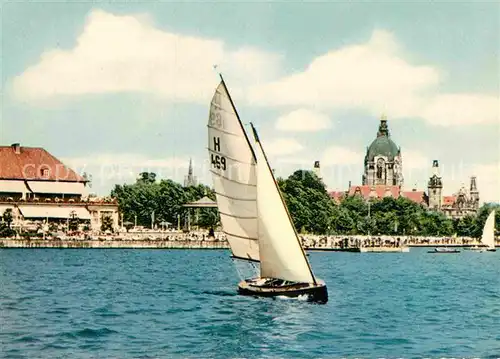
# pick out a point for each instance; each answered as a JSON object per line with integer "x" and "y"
{"x": 337, "y": 196}
{"x": 29, "y": 163}
{"x": 415, "y": 196}
{"x": 449, "y": 200}
{"x": 380, "y": 191}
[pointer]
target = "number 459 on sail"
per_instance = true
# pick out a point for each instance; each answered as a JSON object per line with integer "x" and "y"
{"x": 218, "y": 161}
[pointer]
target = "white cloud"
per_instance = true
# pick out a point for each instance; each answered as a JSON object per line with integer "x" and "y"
{"x": 416, "y": 169}
{"x": 128, "y": 54}
{"x": 123, "y": 159}
{"x": 303, "y": 120}
{"x": 487, "y": 179}
{"x": 118, "y": 168}
{"x": 300, "y": 161}
{"x": 375, "y": 77}
{"x": 282, "y": 146}
{"x": 415, "y": 160}
{"x": 372, "y": 76}
{"x": 462, "y": 109}
{"x": 336, "y": 155}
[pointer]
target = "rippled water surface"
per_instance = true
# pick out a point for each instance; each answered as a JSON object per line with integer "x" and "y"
{"x": 119, "y": 303}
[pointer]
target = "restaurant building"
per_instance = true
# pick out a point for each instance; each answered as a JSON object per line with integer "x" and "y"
{"x": 38, "y": 188}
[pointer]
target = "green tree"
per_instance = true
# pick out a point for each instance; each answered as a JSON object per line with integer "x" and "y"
{"x": 73, "y": 222}
{"x": 208, "y": 218}
{"x": 106, "y": 224}
{"x": 308, "y": 202}
{"x": 480, "y": 219}
{"x": 8, "y": 217}
{"x": 343, "y": 221}
{"x": 465, "y": 226}
{"x": 147, "y": 177}
{"x": 165, "y": 198}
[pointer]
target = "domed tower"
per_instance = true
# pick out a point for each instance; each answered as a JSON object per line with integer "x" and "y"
{"x": 383, "y": 162}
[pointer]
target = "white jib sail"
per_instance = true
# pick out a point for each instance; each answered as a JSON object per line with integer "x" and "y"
{"x": 232, "y": 164}
{"x": 281, "y": 255}
{"x": 488, "y": 238}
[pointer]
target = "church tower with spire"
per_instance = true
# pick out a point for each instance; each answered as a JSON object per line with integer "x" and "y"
{"x": 190, "y": 179}
{"x": 474, "y": 193}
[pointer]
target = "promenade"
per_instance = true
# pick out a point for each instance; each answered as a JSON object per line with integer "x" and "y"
{"x": 201, "y": 241}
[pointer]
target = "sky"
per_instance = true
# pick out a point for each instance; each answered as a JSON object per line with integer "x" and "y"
{"x": 114, "y": 89}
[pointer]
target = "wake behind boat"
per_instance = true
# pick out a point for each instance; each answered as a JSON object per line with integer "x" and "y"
{"x": 253, "y": 214}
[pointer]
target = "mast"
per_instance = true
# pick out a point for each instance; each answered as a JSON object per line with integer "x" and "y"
{"x": 283, "y": 202}
{"x": 238, "y": 117}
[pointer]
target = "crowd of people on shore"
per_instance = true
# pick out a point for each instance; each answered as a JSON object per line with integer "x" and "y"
{"x": 356, "y": 241}
{"x": 308, "y": 240}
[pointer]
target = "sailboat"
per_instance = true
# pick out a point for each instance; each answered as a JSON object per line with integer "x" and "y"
{"x": 488, "y": 236}
{"x": 253, "y": 213}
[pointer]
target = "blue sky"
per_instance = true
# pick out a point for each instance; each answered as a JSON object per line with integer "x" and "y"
{"x": 116, "y": 88}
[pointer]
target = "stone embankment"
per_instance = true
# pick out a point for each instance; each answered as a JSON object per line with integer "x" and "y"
{"x": 54, "y": 243}
{"x": 199, "y": 241}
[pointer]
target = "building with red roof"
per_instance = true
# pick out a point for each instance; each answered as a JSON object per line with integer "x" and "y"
{"x": 36, "y": 185}
{"x": 383, "y": 177}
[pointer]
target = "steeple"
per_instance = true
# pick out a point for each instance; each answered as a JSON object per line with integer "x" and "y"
{"x": 190, "y": 180}
{"x": 317, "y": 169}
{"x": 383, "y": 129}
{"x": 435, "y": 168}
{"x": 474, "y": 193}
{"x": 473, "y": 186}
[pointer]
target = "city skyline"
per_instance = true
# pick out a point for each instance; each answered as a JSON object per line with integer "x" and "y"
{"x": 113, "y": 89}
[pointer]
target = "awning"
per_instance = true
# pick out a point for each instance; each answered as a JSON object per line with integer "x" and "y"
{"x": 42, "y": 211}
{"x": 54, "y": 187}
{"x": 7, "y": 186}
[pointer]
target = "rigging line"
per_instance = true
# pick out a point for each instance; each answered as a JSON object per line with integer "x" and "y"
{"x": 237, "y": 116}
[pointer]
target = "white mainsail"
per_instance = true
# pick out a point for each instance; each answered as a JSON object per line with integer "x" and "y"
{"x": 488, "y": 238}
{"x": 232, "y": 164}
{"x": 281, "y": 255}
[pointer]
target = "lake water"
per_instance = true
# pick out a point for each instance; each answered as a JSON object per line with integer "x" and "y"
{"x": 119, "y": 303}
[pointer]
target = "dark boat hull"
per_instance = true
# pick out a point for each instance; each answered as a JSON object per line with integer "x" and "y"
{"x": 314, "y": 292}
{"x": 444, "y": 251}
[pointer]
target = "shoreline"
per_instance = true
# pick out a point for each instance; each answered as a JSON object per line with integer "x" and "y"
{"x": 164, "y": 244}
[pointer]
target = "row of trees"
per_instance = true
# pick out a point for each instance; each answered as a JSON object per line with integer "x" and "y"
{"x": 5, "y": 225}
{"x": 310, "y": 206}
{"x": 313, "y": 211}
{"x": 165, "y": 199}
